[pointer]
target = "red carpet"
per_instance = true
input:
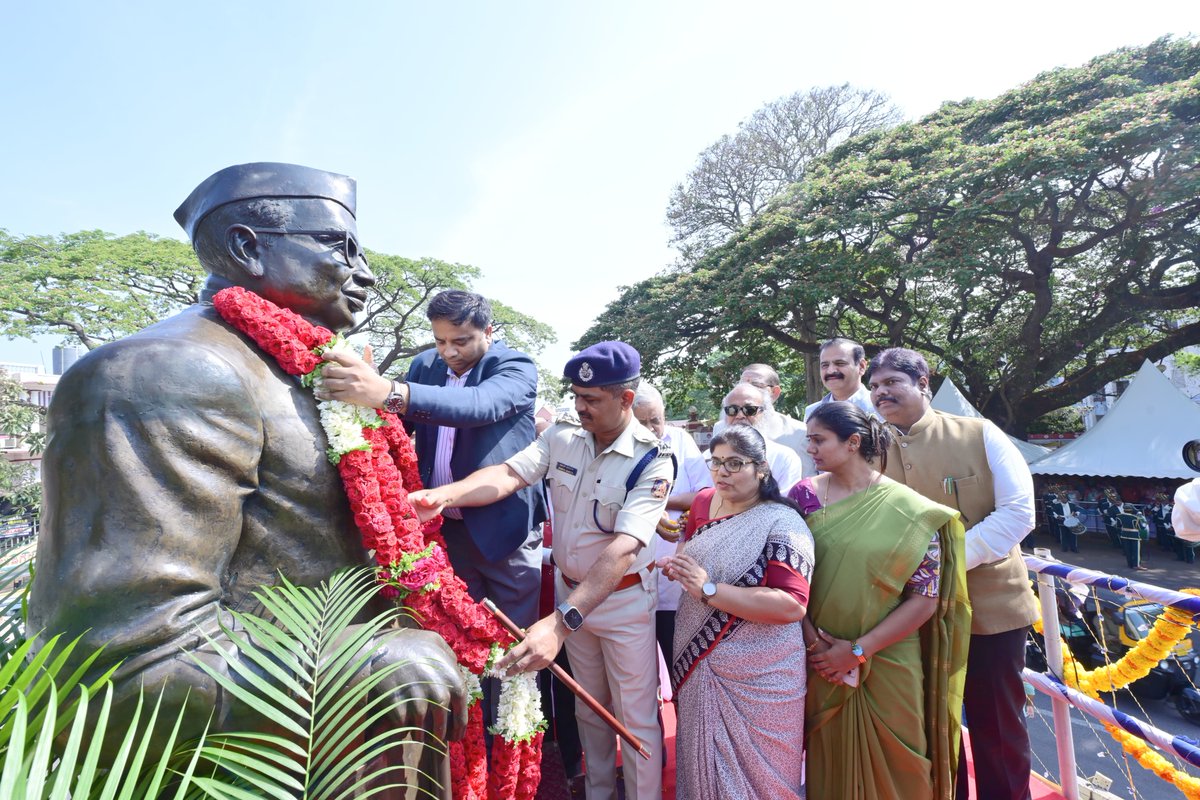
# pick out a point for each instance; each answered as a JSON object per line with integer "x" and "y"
{"x": 554, "y": 787}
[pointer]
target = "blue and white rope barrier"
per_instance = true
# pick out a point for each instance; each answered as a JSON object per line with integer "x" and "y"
{"x": 1185, "y": 747}
{"x": 1167, "y": 597}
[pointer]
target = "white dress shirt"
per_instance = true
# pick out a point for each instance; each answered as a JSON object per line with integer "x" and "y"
{"x": 860, "y": 398}
{"x": 994, "y": 536}
{"x": 693, "y": 476}
{"x": 445, "y": 448}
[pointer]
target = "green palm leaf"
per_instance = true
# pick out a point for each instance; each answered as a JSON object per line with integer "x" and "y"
{"x": 302, "y": 666}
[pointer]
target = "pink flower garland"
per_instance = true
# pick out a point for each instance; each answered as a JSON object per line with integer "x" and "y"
{"x": 375, "y": 481}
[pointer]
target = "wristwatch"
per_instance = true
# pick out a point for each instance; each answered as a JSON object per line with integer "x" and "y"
{"x": 857, "y": 651}
{"x": 570, "y": 616}
{"x": 707, "y": 592}
{"x": 394, "y": 403}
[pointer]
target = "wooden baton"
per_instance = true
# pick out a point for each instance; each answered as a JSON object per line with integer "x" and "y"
{"x": 571, "y": 684}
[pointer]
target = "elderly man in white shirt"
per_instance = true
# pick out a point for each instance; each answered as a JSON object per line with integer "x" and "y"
{"x": 691, "y": 476}
{"x": 747, "y": 404}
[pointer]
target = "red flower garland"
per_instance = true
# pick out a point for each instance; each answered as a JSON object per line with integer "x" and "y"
{"x": 375, "y": 481}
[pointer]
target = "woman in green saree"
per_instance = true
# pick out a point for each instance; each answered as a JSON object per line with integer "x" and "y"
{"x": 887, "y": 626}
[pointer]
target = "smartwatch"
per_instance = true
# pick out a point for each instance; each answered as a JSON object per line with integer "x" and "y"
{"x": 857, "y": 651}
{"x": 394, "y": 402}
{"x": 707, "y": 592}
{"x": 570, "y": 616}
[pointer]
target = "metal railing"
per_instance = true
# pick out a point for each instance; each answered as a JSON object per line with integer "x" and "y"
{"x": 1062, "y": 697}
{"x": 17, "y": 531}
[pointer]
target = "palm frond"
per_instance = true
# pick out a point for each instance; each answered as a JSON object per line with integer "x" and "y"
{"x": 303, "y": 666}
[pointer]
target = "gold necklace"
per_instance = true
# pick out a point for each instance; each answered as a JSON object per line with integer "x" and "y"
{"x": 829, "y": 480}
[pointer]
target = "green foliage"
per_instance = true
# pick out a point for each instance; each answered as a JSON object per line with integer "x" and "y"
{"x": 53, "y": 725}
{"x": 311, "y": 661}
{"x": 395, "y": 322}
{"x": 1188, "y": 362}
{"x": 1049, "y": 232}
{"x": 20, "y": 489}
{"x": 91, "y": 286}
{"x": 1063, "y": 420}
{"x": 94, "y": 287}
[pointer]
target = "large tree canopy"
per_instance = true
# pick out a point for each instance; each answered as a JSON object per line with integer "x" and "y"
{"x": 1050, "y": 232}
{"x": 93, "y": 287}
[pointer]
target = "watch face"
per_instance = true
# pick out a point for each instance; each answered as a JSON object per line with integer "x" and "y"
{"x": 709, "y": 589}
{"x": 571, "y": 617}
{"x": 856, "y": 649}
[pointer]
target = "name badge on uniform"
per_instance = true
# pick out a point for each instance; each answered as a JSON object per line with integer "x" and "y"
{"x": 660, "y": 489}
{"x": 561, "y": 467}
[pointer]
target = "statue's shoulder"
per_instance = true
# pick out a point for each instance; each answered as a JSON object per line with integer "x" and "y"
{"x": 192, "y": 349}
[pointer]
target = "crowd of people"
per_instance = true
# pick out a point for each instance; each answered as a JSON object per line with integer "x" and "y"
{"x": 830, "y": 594}
{"x": 1129, "y": 525}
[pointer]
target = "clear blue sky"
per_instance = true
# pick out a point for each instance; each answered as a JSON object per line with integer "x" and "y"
{"x": 536, "y": 140}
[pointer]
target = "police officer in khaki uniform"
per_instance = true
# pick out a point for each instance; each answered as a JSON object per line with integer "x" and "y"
{"x": 605, "y": 584}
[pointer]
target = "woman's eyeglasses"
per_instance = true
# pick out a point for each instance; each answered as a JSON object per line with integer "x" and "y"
{"x": 747, "y": 410}
{"x": 730, "y": 464}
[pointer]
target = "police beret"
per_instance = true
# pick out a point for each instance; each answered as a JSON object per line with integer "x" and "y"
{"x": 604, "y": 364}
{"x": 263, "y": 179}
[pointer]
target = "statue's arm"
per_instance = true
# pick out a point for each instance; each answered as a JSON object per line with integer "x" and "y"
{"x": 153, "y": 448}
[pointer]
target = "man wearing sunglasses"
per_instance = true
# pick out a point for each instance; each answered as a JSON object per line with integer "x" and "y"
{"x": 185, "y": 469}
{"x": 747, "y": 404}
{"x": 605, "y": 581}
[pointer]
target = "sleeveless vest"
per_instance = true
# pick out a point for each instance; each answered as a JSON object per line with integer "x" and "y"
{"x": 944, "y": 446}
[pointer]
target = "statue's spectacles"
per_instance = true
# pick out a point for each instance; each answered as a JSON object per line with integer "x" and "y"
{"x": 730, "y": 464}
{"x": 747, "y": 410}
{"x": 343, "y": 241}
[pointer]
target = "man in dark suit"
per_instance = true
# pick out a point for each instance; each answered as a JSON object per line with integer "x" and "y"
{"x": 469, "y": 402}
{"x": 185, "y": 469}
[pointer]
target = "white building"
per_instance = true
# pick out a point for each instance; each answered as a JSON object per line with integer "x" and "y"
{"x": 39, "y": 388}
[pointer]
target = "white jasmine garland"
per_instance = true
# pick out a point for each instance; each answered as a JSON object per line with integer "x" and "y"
{"x": 474, "y": 689}
{"x": 519, "y": 715}
{"x": 519, "y": 711}
{"x": 343, "y": 422}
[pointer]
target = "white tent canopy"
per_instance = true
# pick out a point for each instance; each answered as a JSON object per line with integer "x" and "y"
{"x": 952, "y": 401}
{"x": 1142, "y": 436}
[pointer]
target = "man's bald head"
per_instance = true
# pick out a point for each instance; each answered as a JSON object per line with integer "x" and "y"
{"x": 763, "y": 376}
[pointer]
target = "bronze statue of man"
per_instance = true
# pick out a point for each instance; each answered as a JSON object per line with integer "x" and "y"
{"x": 184, "y": 468}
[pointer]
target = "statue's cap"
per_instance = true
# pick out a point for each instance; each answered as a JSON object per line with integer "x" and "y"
{"x": 263, "y": 179}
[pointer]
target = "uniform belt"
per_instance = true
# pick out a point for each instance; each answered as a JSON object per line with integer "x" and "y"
{"x": 632, "y": 579}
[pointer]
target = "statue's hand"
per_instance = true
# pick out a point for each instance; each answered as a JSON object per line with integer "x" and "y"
{"x": 428, "y": 689}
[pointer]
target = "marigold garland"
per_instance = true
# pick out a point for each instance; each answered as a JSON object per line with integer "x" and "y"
{"x": 1168, "y": 631}
{"x": 377, "y": 464}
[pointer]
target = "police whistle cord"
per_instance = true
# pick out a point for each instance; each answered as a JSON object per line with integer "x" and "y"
{"x": 571, "y": 684}
{"x": 1183, "y": 747}
{"x": 1167, "y": 597}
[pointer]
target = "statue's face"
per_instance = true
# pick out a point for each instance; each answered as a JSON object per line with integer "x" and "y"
{"x": 311, "y": 273}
